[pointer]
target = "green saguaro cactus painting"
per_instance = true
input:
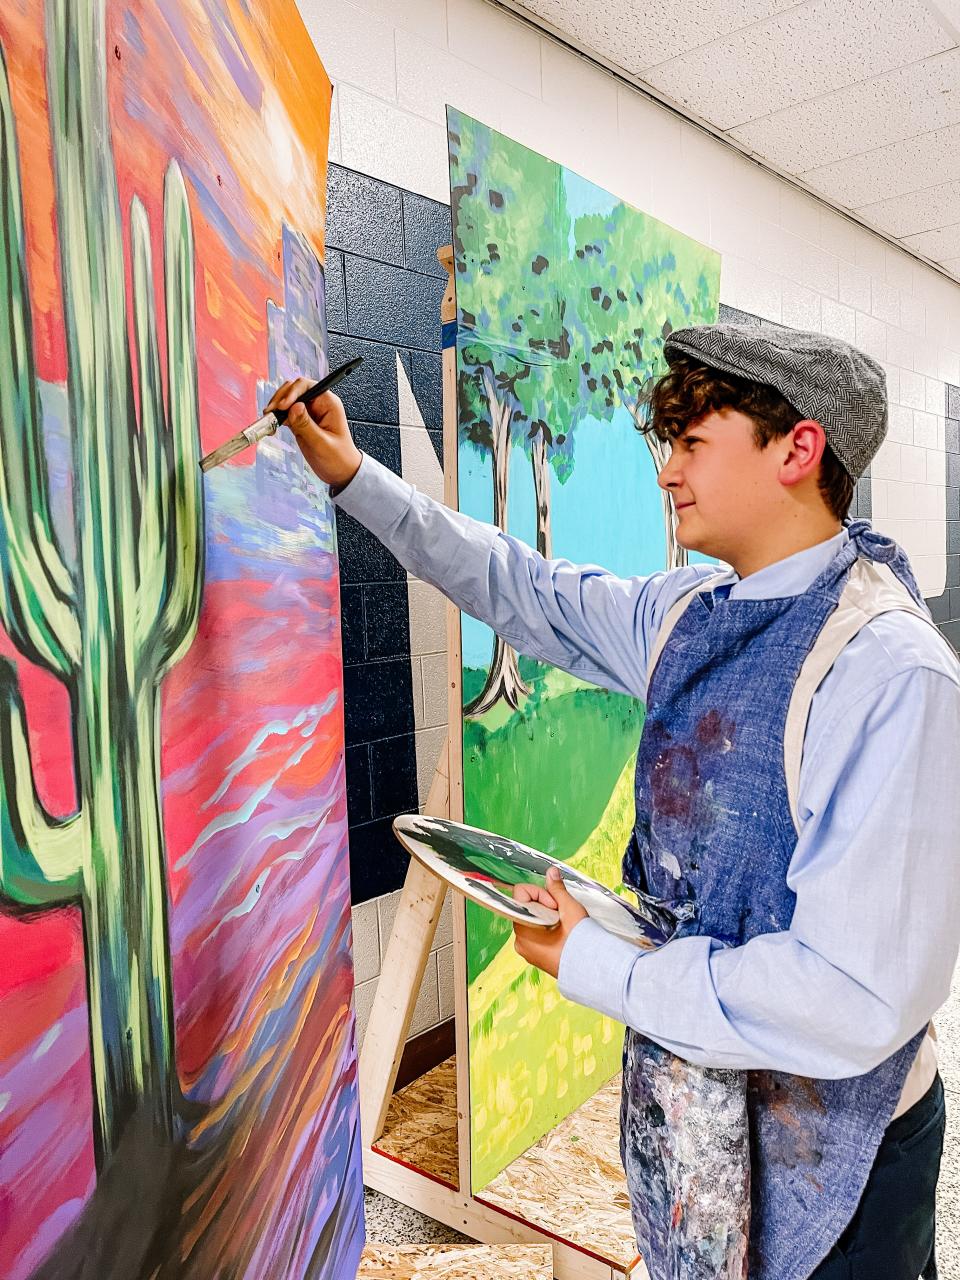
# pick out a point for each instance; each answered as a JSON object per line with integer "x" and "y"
{"x": 112, "y": 627}
{"x": 178, "y": 1095}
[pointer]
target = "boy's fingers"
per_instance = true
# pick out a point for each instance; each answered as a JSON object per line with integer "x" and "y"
{"x": 286, "y": 394}
{"x": 298, "y": 418}
{"x": 295, "y": 391}
{"x": 533, "y": 893}
{"x": 277, "y": 397}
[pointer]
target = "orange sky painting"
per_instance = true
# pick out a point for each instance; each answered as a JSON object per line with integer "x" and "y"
{"x": 231, "y": 91}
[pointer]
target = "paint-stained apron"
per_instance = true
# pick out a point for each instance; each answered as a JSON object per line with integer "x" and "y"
{"x": 734, "y": 1173}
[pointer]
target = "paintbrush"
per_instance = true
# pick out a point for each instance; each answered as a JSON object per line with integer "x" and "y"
{"x": 268, "y": 424}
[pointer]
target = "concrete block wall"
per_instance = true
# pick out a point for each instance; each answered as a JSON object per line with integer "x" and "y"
{"x": 372, "y": 925}
{"x": 384, "y": 285}
{"x": 786, "y": 259}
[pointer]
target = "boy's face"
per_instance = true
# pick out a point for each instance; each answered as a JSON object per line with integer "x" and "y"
{"x": 724, "y": 487}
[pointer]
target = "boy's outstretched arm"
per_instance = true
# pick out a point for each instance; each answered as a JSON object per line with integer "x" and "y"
{"x": 579, "y": 618}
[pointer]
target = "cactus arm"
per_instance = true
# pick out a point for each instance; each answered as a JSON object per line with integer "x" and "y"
{"x": 36, "y": 592}
{"x": 40, "y": 857}
{"x": 152, "y": 466}
{"x": 177, "y": 623}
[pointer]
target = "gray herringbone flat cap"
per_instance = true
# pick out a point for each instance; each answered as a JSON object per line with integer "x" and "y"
{"x": 823, "y": 378}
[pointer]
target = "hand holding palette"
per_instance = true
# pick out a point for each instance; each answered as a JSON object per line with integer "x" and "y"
{"x": 484, "y": 867}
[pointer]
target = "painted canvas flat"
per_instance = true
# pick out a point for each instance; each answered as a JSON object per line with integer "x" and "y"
{"x": 177, "y": 1057}
{"x": 484, "y": 867}
{"x": 565, "y": 295}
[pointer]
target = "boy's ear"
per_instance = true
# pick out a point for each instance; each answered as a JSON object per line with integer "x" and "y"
{"x": 810, "y": 441}
{"x": 805, "y": 453}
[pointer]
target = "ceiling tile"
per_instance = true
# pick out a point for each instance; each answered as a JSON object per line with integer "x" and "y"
{"x": 953, "y": 266}
{"x": 944, "y": 243}
{"x": 635, "y": 34}
{"x": 815, "y": 48}
{"x": 873, "y": 113}
{"x": 920, "y": 211}
{"x": 890, "y": 171}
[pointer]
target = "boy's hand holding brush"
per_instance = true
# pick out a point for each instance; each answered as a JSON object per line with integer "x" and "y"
{"x": 321, "y": 430}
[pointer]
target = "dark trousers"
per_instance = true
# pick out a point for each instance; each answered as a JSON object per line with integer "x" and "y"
{"x": 891, "y": 1235}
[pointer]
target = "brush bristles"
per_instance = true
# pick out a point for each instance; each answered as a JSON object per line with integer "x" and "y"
{"x": 225, "y": 451}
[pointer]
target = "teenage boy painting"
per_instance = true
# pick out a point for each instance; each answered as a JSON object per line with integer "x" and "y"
{"x": 796, "y": 791}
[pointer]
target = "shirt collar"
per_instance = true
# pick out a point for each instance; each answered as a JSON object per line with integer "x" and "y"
{"x": 789, "y": 577}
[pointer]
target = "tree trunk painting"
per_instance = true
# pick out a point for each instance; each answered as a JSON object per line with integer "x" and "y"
{"x": 503, "y": 677}
{"x": 541, "y": 493}
{"x": 676, "y": 556}
{"x": 175, "y": 973}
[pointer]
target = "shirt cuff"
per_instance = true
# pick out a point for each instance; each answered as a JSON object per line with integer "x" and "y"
{"x": 375, "y": 496}
{"x": 595, "y": 967}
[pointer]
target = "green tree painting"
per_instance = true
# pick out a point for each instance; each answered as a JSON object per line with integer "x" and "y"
{"x": 565, "y": 295}
{"x": 632, "y": 286}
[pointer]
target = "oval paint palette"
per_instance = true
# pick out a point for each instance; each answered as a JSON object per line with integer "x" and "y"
{"x": 484, "y": 867}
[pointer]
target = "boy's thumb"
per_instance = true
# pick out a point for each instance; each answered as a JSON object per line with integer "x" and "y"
{"x": 555, "y": 880}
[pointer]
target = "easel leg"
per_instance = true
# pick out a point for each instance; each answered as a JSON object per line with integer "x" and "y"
{"x": 400, "y": 976}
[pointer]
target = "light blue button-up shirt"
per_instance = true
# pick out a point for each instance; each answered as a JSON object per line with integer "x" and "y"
{"x": 872, "y": 946}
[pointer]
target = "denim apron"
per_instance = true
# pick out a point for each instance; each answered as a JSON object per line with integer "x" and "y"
{"x": 733, "y": 1172}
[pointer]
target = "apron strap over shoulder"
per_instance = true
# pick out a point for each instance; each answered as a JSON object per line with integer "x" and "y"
{"x": 871, "y": 590}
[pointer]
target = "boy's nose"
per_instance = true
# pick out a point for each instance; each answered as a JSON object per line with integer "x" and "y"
{"x": 669, "y": 475}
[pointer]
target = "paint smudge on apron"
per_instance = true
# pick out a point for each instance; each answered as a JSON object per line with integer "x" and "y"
{"x": 684, "y": 1140}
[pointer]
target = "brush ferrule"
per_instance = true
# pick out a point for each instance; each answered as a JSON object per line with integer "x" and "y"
{"x": 265, "y": 426}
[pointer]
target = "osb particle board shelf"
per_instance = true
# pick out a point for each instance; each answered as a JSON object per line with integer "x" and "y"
{"x": 456, "y": 1262}
{"x": 421, "y": 1125}
{"x": 570, "y": 1185}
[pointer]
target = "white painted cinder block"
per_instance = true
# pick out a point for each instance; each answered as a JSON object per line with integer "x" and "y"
{"x": 800, "y": 308}
{"x": 397, "y": 146}
{"x": 434, "y": 668}
{"x": 366, "y": 941}
{"x": 838, "y": 320}
{"x": 492, "y": 41}
{"x": 854, "y": 286}
{"x": 429, "y": 78}
{"x": 872, "y": 336}
{"x": 750, "y": 288}
{"x": 429, "y": 744}
{"x": 445, "y": 982}
{"x": 425, "y": 18}
{"x": 363, "y": 997}
{"x": 358, "y": 48}
{"x": 426, "y": 1013}
{"x": 428, "y": 618}
{"x": 387, "y": 909}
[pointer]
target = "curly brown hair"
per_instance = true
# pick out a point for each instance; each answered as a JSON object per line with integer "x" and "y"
{"x": 690, "y": 390}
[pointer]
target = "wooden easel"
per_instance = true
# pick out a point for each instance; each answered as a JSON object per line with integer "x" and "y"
{"x": 418, "y": 913}
{"x": 406, "y": 958}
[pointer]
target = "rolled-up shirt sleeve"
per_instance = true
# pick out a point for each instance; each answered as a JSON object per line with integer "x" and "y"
{"x": 580, "y": 618}
{"x": 872, "y": 945}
